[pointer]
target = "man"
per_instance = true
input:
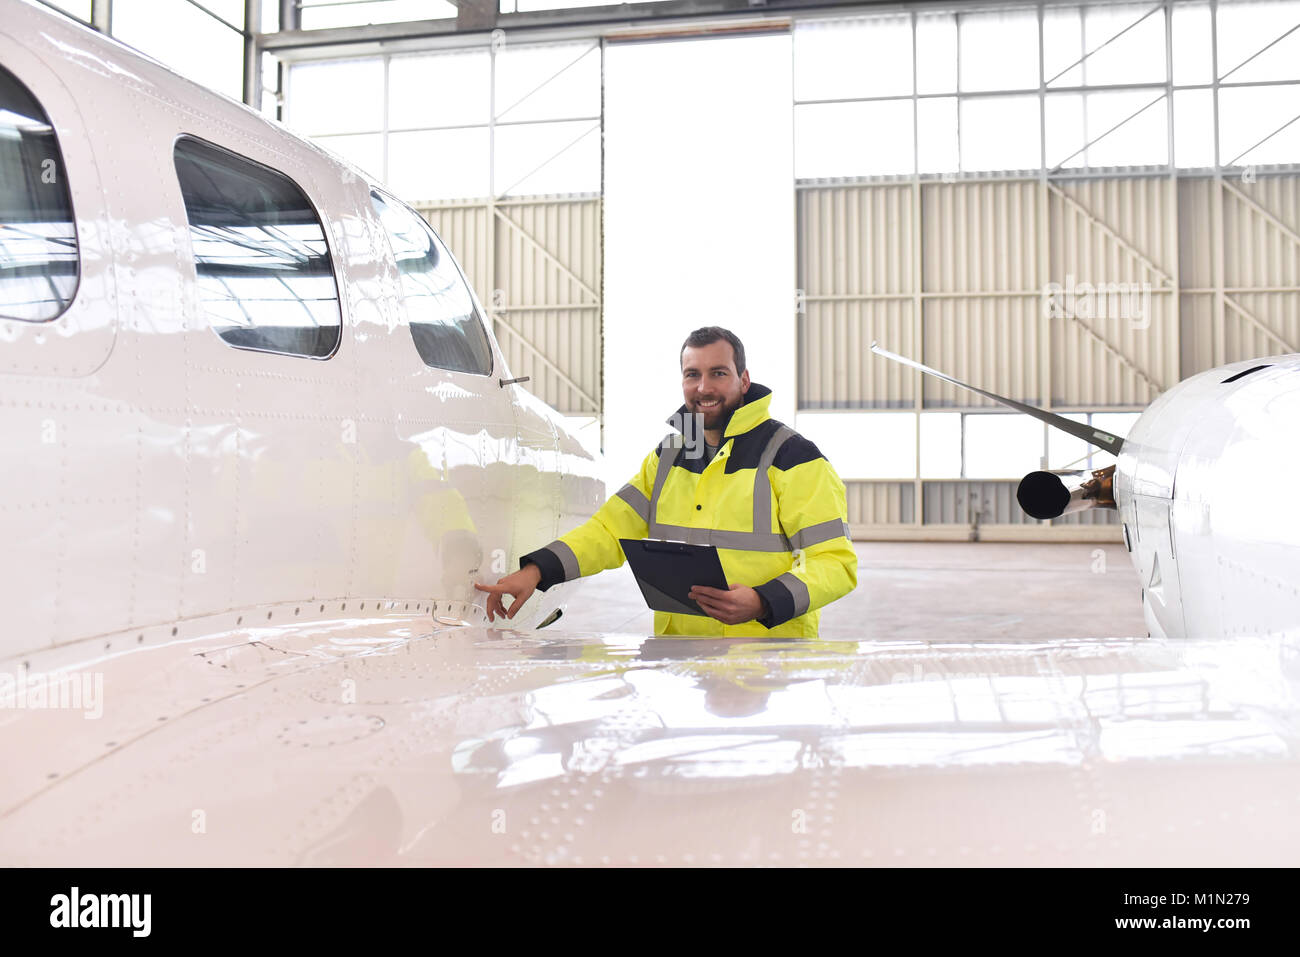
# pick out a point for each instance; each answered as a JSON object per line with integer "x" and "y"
{"x": 755, "y": 488}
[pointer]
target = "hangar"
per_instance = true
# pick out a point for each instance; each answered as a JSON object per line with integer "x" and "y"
{"x": 354, "y": 310}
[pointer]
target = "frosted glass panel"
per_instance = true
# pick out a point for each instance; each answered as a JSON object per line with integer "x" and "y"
{"x": 448, "y": 164}
{"x": 936, "y": 54}
{"x": 853, "y": 139}
{"x": 937, "y": 135}
{"x": 548, "y": 158}
{"x": 1247, "y": 116}
{"x": 444, "y": 90}
{"x": 344, "y": 96}
{"x": 1245, "y": 29}
{"x": 999, "y": 51}
{"x": 1138, "y": 121}
{"x": 1000, "y": 132}
{"x": 864, "y": 445}
{"x": 1003, "y": 446}
{"x": 212, "y": 54}
{"x": 867, "y": 57}
{"x": 1125, "y": 44}
{"x": 1193, "y": 44}
{"x": 941, "y": 445}
{"x": 1065, "y": 130}
{"x": 548, "y": 82}
{"x": 1063, "y": 46}
{"x": 1194, "y": 128}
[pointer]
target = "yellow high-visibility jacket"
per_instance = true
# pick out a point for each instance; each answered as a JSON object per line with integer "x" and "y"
{"x": 769, "y": 501}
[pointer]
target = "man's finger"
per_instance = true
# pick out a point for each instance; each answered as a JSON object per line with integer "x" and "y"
{"x": 711, "y": 608}
{"x": 494, "y": 589}
{"x": 710, "y": 592}
{"x": 518, "y": 602}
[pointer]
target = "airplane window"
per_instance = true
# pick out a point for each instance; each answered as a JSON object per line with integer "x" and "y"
{"x": 444, "y": 323}
{"x": 38, "y": 239}
{"x": 266, "y": 281}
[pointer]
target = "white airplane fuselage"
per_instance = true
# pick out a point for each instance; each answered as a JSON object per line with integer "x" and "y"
{"x": 156, "y": 474}
{"x": 1206, "y": 489}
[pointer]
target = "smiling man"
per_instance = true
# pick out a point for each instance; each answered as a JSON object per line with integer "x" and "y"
{"x": 753, "y": 487}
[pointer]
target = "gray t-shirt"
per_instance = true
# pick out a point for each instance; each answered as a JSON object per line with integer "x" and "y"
{"x": 710, "y": 451}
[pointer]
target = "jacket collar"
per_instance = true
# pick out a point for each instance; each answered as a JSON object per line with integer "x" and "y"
{"x": 752, "y": 411}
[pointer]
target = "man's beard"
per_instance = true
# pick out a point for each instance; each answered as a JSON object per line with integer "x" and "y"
{"x": 713, "y": 419}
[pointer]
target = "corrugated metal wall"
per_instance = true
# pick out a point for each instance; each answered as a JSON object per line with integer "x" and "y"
{"x": 881, "y": 503}
{"x": 1240, "y": 283}
{"x": 535, "y": 264}
{"x": 1086, "y": 294}
{"x": 988, "y": 252}
{"x": 857, "y": 263}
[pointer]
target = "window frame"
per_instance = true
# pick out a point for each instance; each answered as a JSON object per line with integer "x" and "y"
{"x": 388, "y": 197}
{"x": 320, "y": 220}
{"x": 72, "y": 212}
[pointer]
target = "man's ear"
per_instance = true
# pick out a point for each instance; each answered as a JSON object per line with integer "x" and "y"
{"x": 744, "y": 381}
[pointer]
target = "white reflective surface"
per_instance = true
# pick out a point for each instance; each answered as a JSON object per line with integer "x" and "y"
{"x": 381, "y": 740}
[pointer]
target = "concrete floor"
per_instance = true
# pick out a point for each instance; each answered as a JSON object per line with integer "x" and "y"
{"x": 940, "y": 591}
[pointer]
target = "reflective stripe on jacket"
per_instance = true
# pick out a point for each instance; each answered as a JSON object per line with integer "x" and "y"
{"x": 768, "y": 500}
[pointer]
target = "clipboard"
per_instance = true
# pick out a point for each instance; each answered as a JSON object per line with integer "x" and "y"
{"x": 666, "y": 571}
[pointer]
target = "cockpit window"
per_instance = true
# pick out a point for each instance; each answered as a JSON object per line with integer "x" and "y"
{"x": 266, "y": 281}
{"x": 38, "y": 239}
{"x": 444, "y": 322}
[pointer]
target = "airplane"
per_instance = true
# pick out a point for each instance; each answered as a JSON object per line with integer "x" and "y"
{"x": 1202, "y": 484}
{"x": 240, "y": 623}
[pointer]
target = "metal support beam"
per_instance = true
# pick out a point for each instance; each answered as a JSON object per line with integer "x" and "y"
{"x": 548, "y": 255}
{"x": 1115, "y": 237}
{"x": 1282, "y": 227}
{"x": 101, "y": 16}
{"x": 474, "y": 15}
{"x": 1258, "y": 323}
{"x": 573, "y": 22}
{"x": 252, "y": 53}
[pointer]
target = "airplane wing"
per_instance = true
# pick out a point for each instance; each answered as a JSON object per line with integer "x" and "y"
{"x": 396, "y": 739}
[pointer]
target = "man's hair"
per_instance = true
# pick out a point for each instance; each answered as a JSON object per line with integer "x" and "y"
{"x": 708, "y": 335}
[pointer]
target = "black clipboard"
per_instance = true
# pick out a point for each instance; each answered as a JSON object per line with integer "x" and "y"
{"x": 666, "y": 571}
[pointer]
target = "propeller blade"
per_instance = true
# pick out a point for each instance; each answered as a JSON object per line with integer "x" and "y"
{"x": 1080, "y": 430}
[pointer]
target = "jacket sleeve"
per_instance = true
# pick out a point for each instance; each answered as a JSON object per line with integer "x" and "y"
{"x": 593, "y": 546}
{"x": 812, "y": 509}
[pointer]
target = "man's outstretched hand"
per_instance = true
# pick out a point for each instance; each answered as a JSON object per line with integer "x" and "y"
{"x": 731, "y": 607}
{"x": 519, "y": 586}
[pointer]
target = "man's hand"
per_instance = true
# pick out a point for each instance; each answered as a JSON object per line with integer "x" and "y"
{"x": 519, "y": 586}
{"x": 731, "y": 607}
